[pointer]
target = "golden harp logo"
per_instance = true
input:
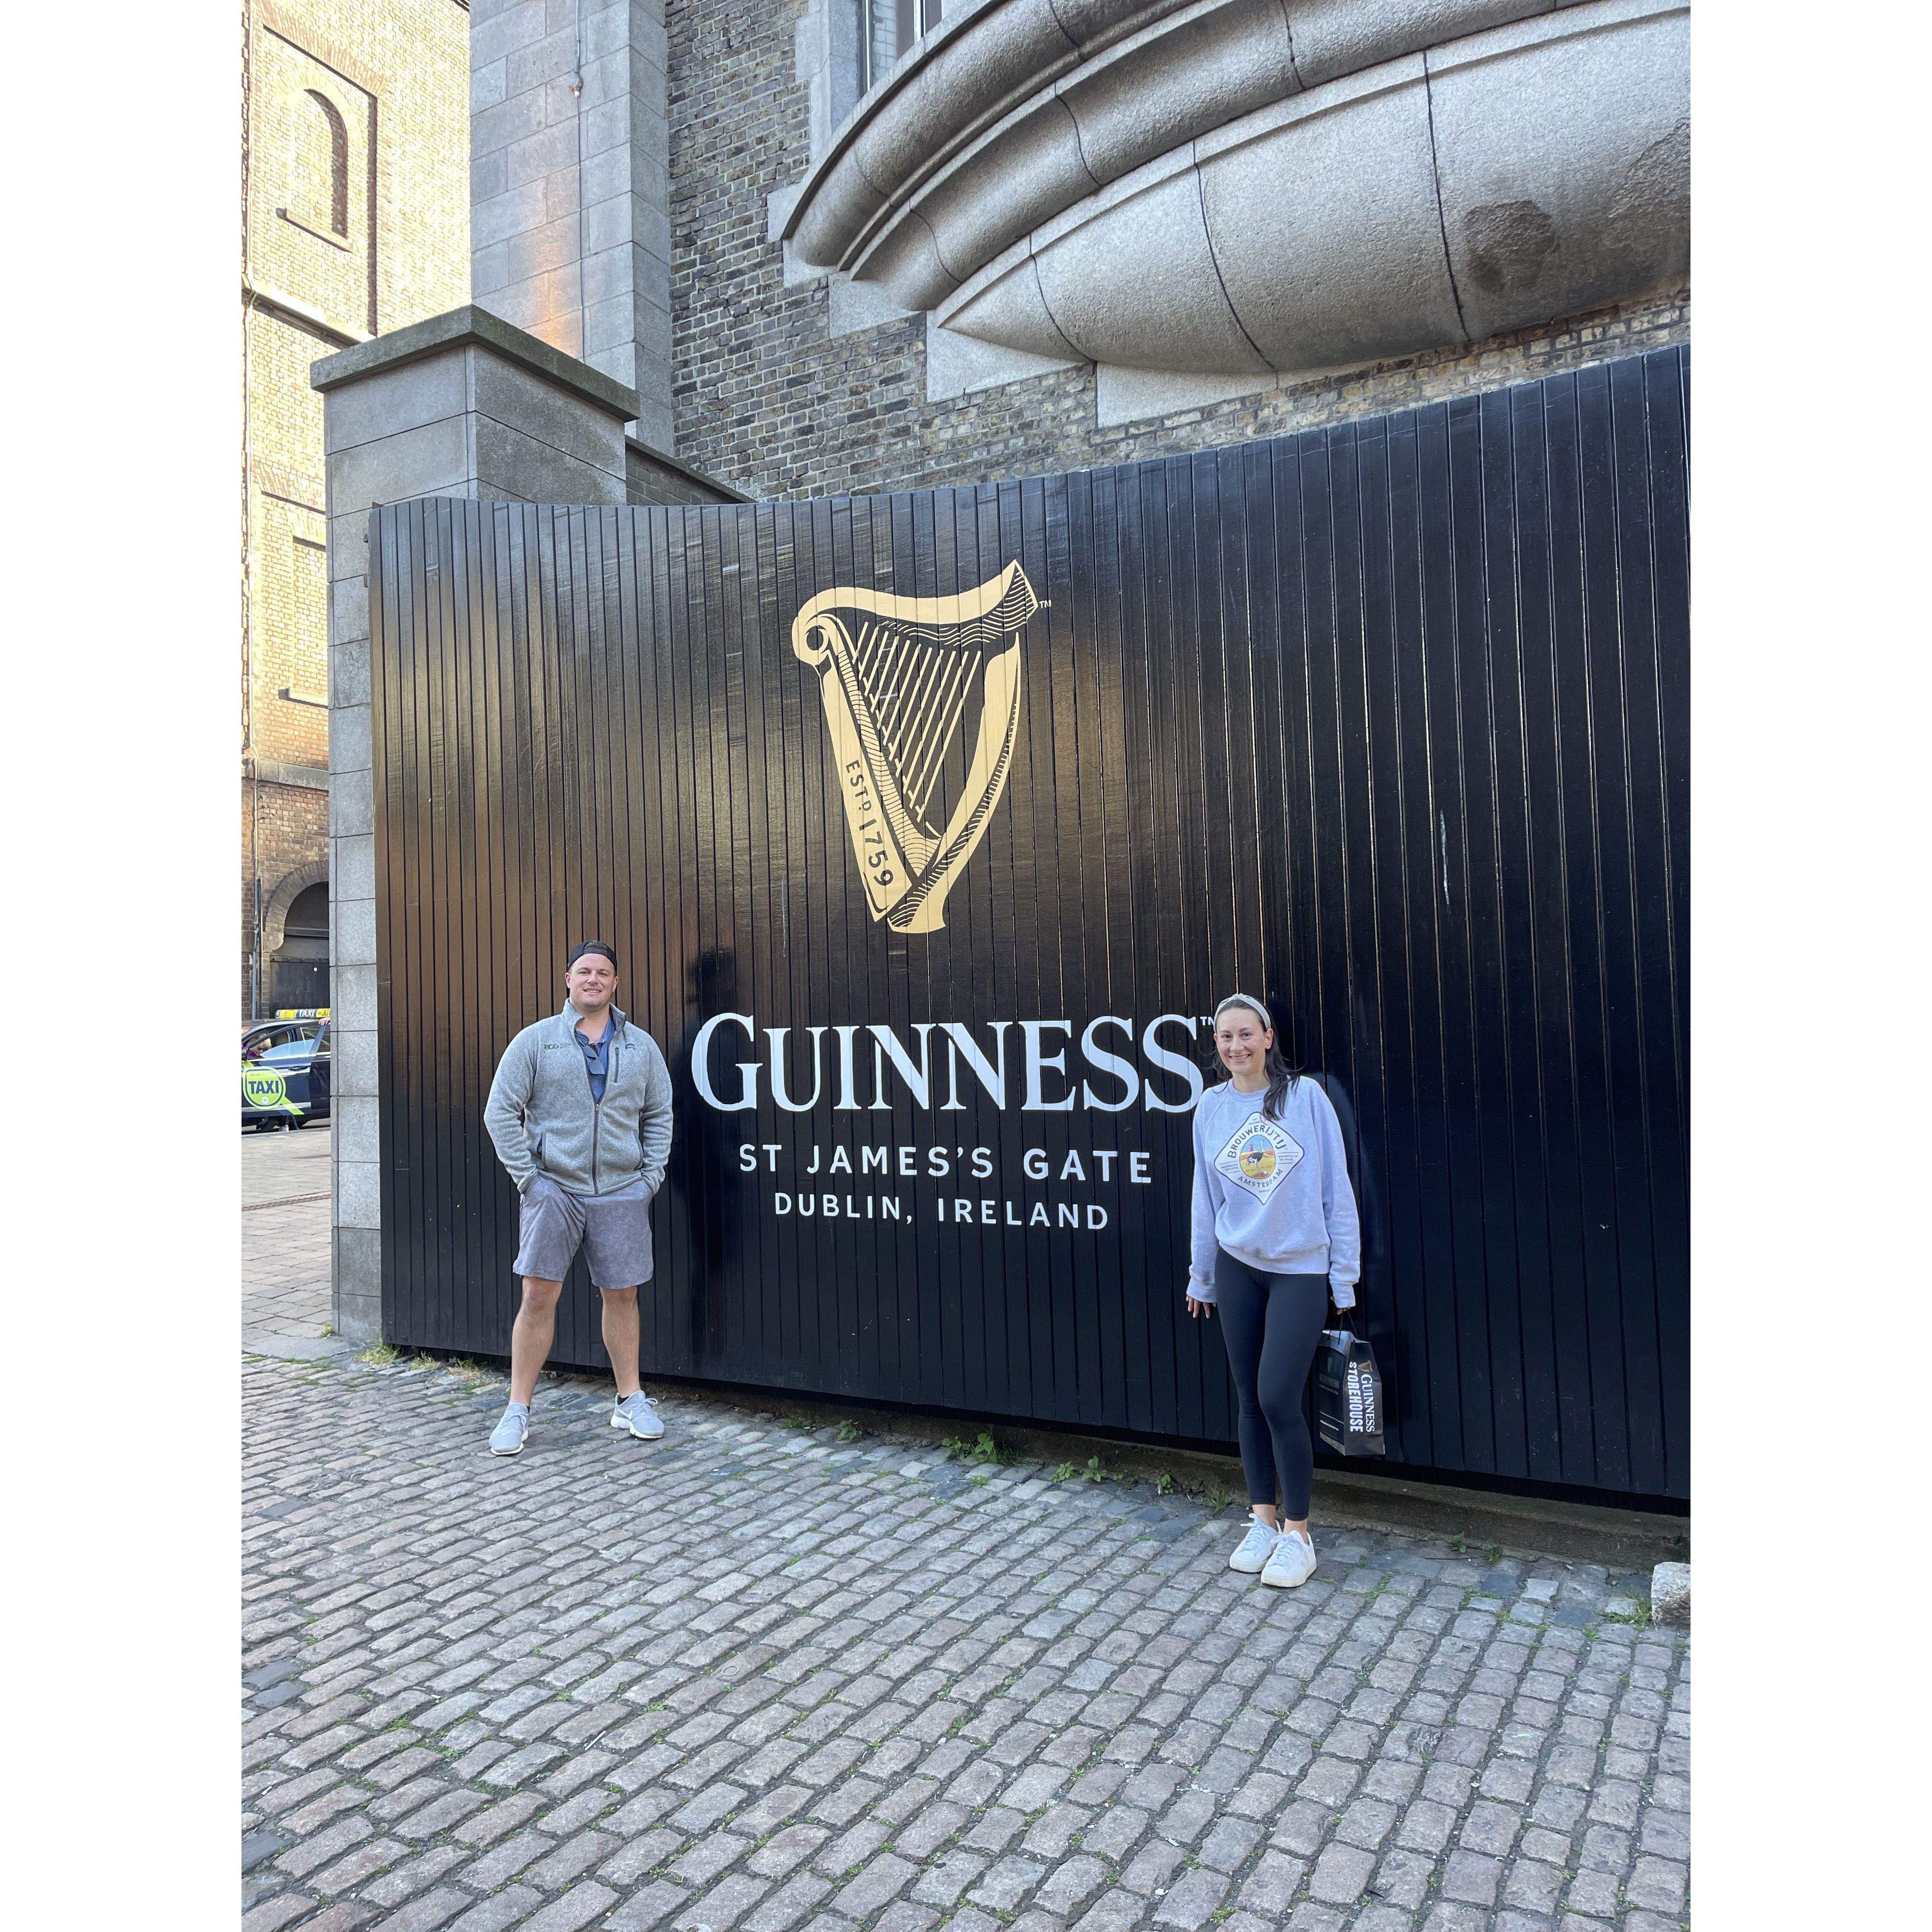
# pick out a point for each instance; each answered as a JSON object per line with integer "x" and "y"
{"x": 899, "y": 678}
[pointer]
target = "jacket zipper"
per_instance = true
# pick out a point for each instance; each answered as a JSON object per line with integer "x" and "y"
{"x": 596, "y": 1120}
{"x": 597, "y": 1105}
{"x": 597, "y": 1114}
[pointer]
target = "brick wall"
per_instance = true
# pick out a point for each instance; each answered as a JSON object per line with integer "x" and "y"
{"x": 284, "y": 829}
{"x": 767, "y": 400}
{"x": 287, "y": 627}
{"x": 356, "y": 181}
{"x": 397, "y": 74}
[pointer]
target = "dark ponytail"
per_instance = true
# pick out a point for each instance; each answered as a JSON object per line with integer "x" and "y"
{"x": 1283, "y": 1073}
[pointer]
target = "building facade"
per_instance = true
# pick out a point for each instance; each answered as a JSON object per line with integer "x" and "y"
{"x": 874, "y": 245}
{"x": 988, "y": 245}
{"x": 838, "y": 249}
{"x": 355, "y": 221}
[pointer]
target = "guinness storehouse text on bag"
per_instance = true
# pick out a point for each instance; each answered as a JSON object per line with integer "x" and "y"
{"x": 1347, "y": 1394}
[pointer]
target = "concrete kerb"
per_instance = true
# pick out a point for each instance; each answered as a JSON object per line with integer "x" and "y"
{"x": 295, "y": 1348}
{"x": 1519, "y": 1526}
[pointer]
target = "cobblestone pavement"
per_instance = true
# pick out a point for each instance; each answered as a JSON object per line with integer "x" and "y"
{"x": 285, "y": 1257}
{"x": 752, "y": 1679}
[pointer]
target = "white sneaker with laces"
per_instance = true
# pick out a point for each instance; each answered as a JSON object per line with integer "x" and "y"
{"x": 1256, "y": 1547}
{"x": 1293, "y": 1562}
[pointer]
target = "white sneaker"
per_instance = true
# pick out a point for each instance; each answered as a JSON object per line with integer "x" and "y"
{"x": 1256, "y": 1547}
{"x": 1292, "y": 1563}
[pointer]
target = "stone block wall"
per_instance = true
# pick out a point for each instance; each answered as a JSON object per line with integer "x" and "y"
{"x": 815, "y": 385}
{"x": 461, "y": 405}
{"x": 569, "y": 236}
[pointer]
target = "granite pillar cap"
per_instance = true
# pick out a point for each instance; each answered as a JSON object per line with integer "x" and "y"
{"x": 470, "y": 327}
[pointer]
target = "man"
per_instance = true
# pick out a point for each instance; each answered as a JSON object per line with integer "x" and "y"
{"x": 580, "y": 1111}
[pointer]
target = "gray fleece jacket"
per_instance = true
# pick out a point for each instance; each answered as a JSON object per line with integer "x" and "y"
{"x": 542, "y": 1117}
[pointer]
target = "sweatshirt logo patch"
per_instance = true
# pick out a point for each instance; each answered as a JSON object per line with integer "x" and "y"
{"x": 1261, "y": 1154}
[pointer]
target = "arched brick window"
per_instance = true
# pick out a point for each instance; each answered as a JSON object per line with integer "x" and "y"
{"x": 321, "y": 161}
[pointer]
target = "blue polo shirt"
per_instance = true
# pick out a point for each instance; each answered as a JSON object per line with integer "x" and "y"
{"x": 596, "y": 1059}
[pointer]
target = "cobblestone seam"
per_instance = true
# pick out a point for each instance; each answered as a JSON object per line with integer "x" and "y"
{"x": 752, "y": 1679}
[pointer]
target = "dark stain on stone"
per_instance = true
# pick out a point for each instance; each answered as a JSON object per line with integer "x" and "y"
{"x": 1508, "y": 243}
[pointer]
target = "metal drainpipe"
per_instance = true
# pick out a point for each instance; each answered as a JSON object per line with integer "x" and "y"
{"x": 255, "y": 867}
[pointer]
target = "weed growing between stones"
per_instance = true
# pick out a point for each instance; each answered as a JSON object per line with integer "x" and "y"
{"x": 1637, "y": 1617}
{"x": 986, "y": 1448}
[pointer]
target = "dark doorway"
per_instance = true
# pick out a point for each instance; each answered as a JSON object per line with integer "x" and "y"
{"x": 297, "y": 974}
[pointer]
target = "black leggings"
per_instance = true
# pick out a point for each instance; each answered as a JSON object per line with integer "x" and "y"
{"x": 1271, "y": 1324}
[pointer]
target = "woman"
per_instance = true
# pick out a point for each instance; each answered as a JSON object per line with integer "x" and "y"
{"x": 1275, "y": 1234}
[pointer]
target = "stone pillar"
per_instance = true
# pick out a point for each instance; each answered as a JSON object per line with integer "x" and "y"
{"x": 569, "y": 198}
{"x": 462, "y": 405}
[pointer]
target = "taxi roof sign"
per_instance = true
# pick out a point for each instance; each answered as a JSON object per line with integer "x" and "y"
{"x": 301, "y": 1013}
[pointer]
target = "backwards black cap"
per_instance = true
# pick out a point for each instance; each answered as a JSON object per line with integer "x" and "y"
{"x": 576, "y": 952}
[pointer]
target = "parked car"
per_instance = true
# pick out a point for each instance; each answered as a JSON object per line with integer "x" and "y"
{"x": 286, "y": 1083}
{"x": 258, "y": 1037}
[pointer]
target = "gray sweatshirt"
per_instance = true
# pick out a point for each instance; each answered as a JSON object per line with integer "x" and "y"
{"x": 542, "y": 1117}
{"x": 1274, "y": 1193}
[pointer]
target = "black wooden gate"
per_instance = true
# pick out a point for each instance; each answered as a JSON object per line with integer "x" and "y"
{"x": 1388, "y": 723}
{"x": 295, "y": 984}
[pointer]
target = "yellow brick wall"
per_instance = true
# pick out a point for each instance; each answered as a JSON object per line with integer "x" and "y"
{"x": 356, "y": 217}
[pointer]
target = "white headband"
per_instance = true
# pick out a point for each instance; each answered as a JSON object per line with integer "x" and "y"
{"x": 1244, "y": 1000}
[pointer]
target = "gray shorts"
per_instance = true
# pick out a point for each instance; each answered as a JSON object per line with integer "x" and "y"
{"x": 614, "y": 1229}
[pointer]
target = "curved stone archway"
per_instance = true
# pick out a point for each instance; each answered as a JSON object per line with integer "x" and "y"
{"x": 275, "y": 907}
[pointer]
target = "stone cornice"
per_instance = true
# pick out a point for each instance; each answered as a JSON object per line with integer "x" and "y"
{"x": 471, "y": 327}
{"x": 1237, "y": 188}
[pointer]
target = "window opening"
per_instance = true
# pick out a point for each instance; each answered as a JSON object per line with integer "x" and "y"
{"x": 320, "y": 172}
{"x": 889, "y": 28}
